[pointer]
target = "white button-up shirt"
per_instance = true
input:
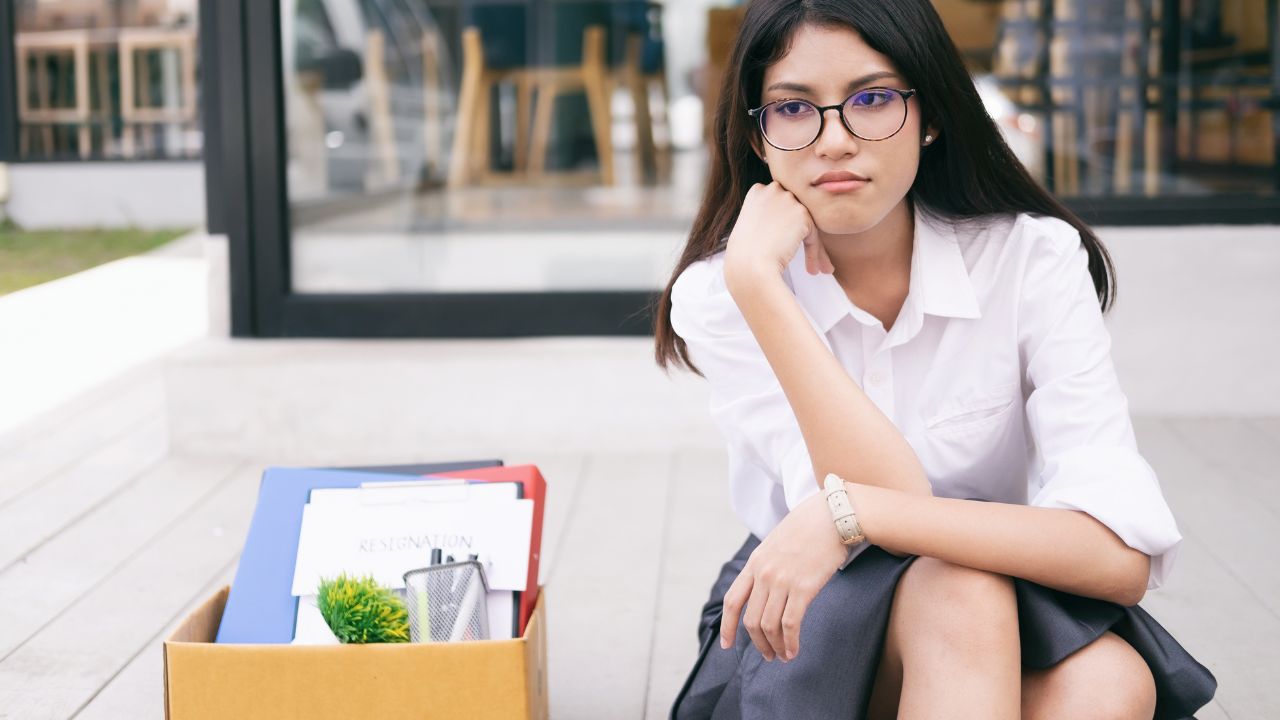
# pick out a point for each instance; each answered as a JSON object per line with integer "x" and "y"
{"x": 997, "y": 371}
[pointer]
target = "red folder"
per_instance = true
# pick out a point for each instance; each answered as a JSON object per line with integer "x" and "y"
{"x": 535, "y": 488}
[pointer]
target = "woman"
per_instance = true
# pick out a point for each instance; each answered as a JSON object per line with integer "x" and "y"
{"x": 875, "y": 289}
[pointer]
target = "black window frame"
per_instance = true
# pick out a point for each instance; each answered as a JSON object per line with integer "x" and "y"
{"x": 256, "y": 220}
{"x": 8, "y": 86}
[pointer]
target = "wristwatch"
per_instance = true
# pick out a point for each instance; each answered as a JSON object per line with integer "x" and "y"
{"x": 842, "y": 510}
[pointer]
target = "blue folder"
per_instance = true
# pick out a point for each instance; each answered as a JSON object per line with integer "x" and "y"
{"x": 261, "y": 607}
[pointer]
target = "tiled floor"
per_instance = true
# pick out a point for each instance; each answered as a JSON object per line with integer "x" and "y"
{"x": 126, "y": 505}
{"x": 111, "y": 530}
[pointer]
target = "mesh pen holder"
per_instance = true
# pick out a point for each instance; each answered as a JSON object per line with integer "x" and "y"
{"x": 446, "y": 603}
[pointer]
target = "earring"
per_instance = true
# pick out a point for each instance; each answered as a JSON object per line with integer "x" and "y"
{"x": 928, "y": 139}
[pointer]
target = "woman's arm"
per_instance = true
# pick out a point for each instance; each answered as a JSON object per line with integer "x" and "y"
{"x": 844, "y": 431}
{"x": 848, "y": 435}
{"x": 1062, "y": 549}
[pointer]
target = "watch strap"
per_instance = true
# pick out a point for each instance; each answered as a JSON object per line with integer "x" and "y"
{"x": 842, "y": 510}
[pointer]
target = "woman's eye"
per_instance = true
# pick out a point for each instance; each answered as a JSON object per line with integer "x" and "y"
{"x": 871, "y": 98}
{"x": 793, "y": 109}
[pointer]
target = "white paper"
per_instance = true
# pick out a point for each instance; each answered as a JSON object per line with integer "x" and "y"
{"x": 386, "y": 541}
{"x": 310, "y": 628}
{"x": 502, "y": 614}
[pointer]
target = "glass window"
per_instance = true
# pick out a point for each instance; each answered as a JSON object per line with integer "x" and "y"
{"x": 490, "y": 145}
{"x": 543, "y": 145}
{"x": 1130, "y": 97}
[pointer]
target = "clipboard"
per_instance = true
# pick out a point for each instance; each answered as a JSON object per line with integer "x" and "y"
{"x": 260, "y": 608}
{"x": 386, "y": 529}
{"x": 535, "y": 489}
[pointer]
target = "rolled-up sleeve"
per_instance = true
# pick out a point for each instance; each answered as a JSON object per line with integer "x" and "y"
{"x": 1076, "y": 411}
{"x": 747, "y": 402}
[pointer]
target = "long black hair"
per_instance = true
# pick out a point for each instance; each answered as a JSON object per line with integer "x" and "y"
{"x": 967, "y": 172}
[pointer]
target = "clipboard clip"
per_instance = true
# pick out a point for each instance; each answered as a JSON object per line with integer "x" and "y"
{"x": 451, "y": 491}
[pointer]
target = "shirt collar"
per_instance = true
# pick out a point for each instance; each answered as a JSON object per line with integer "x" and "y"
{"x": 939, "y": 284}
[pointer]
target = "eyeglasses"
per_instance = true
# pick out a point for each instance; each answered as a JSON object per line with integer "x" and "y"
{"x": 877, "y": 113}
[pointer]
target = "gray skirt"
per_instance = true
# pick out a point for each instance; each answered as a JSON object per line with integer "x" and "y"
{"x": 831, "y": 679}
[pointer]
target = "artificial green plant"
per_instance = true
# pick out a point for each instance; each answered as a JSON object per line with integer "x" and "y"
{"x": 359, "y": 610}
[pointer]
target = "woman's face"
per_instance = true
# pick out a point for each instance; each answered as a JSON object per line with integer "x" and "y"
{"x": 825, "y": 65}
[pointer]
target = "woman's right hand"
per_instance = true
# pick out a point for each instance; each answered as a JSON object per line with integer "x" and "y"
{"x": 771, "y": 226}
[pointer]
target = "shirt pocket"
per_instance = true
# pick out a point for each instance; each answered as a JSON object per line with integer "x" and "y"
{"x": 972, "y": 411}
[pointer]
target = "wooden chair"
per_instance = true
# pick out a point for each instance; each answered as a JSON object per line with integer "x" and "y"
{"x": 306, "y": 135}
{"x": 621, "y": 47}
{"x": 590, "y": 76}
{"x": 722, "y": 27}
{"x": 642, "y": 70}
{"x": 44, "y": 115}
{"x": 432, "y": 101}
{"x": 138, "y": 109}
{"x": 493, "y": 54}
{"x": 384, "y": 171}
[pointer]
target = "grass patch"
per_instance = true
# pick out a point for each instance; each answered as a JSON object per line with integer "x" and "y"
{"x": 31, "y": 257}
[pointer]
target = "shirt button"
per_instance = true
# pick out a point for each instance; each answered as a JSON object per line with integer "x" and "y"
{"x": 876, "y": 378}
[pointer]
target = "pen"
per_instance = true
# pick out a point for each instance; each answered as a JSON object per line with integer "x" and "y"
{"x": 424, "y": 601}
{"x": 453, "y": 586}
{"x": 484, "y": 624}
{"x": 462, "y": 623}
{"x": 456, "y": 576}
{"x": 416, "y": 584}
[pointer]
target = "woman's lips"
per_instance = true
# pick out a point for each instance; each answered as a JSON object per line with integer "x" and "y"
{"x": 840, "y": 181}
{"x": 841, "y": 186}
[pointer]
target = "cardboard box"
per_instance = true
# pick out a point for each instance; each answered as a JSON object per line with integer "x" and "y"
{"x": 499, "y": 679}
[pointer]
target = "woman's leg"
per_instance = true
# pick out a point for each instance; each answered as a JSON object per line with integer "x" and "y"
{"x": 1106, "y": 679}
{"x": 888, "y": 684}
{"x": 951, "y": 648}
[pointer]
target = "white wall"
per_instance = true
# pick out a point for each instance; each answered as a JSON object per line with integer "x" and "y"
{"x": 107, "y": 194}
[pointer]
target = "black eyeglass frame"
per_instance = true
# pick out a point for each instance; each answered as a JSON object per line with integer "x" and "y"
{"x": 758, "y": 114}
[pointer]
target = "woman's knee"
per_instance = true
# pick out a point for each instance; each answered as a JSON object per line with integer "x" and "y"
{"x": 1106, "y": 679}
{"x": 934, "y": 592}
{"x": 942, "y": 610}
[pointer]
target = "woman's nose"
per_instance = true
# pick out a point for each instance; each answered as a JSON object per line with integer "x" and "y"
{"x": 835, "y": 138}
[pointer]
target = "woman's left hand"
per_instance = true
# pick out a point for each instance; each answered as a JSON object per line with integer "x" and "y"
{"x": 781, "y": 577}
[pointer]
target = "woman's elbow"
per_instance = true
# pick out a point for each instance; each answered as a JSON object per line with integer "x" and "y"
{"x": 1131, "y": 585}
